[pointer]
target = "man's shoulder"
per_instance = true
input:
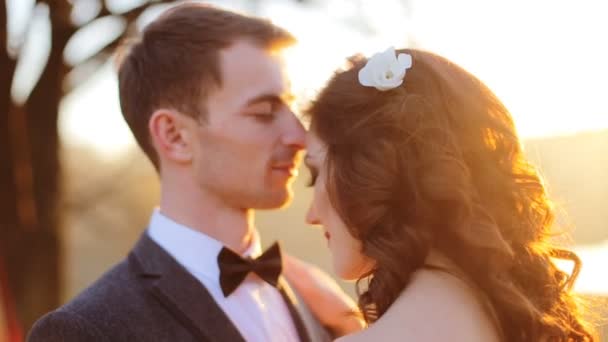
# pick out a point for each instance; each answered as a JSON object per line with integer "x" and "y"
{"x": 64, "y": 325}
{"x": 81, "y": 318}
{"x": 117, "y": 286}
{"x": 106, "y": 302}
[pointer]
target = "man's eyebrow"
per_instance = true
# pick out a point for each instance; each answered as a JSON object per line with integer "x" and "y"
{"x": 273, "y": 98}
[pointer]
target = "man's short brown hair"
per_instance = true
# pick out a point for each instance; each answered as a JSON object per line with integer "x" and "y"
{"x": 175, "y": 62}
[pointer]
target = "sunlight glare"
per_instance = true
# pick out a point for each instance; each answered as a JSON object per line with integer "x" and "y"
{"x": 593, "y": 279}
{"x": 87, "y": 121}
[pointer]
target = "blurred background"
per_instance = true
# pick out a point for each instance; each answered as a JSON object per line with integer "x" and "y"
{"x": 75, "y": 192}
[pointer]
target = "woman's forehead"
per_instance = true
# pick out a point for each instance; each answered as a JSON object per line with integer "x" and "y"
{"x": 314, "y": 145}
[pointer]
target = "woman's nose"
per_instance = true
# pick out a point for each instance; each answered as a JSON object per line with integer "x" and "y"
{"x": 311, "y": 217}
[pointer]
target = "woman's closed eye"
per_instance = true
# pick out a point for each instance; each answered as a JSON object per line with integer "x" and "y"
{"x": 313, "y": 176}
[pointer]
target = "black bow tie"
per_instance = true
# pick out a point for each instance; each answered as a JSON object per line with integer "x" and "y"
{"x": 234, "y": 268}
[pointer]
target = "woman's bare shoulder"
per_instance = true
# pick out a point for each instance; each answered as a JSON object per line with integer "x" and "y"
{"x": 436, "y": 306}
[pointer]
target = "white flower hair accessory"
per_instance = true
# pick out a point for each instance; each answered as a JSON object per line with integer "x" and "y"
{"x": 385, "y": 70}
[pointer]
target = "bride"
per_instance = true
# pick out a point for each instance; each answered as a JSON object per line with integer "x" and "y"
{"x": 426, "y": 198}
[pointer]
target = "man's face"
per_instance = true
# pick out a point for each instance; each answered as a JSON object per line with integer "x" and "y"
{"x": 248, "y": 150}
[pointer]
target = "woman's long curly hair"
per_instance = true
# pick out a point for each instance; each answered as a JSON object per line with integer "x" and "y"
{"x": 436, "y": 164}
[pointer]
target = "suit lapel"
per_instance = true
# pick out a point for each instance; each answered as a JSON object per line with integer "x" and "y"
{"x": 180, "y": 293}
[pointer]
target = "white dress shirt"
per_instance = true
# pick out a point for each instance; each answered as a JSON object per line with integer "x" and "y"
{"x": 256, "y": 308}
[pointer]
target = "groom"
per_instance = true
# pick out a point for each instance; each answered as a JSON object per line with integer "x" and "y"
{"x": 205, "y": 94}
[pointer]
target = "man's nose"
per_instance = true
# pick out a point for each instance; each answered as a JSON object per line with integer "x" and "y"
{"x": 295, "y": 134}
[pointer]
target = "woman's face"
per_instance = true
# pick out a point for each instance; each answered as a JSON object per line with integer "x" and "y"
{"x": 348, "y": 260}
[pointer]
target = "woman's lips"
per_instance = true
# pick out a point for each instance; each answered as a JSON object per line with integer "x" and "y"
{"x": 327, "y": 235}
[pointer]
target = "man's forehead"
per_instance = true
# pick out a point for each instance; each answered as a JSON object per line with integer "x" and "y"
{"x": 246, "y": 55}
{"x": 252, "y": 65}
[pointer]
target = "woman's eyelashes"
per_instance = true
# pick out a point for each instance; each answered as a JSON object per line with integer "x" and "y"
{"x": 313, "y": 176}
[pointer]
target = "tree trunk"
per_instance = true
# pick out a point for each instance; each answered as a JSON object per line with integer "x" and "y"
{"x": 8, "y": 210}
{"x": 30, "y": 180}
{"x": 42, "y": 281}
{"x": 30, "y": 173}
{"x": 9, "y": 221}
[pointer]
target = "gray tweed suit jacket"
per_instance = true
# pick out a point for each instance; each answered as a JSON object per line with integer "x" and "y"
{"x": 150, "y": 297}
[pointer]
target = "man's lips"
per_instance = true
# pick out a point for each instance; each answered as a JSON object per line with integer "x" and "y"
{"x": 289, "y": 168}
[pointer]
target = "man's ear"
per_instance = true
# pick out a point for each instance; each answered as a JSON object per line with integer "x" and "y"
{"x": 170, "y": 133}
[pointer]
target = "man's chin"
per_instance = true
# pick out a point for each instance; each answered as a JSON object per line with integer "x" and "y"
{"x": 276, "y": 200}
